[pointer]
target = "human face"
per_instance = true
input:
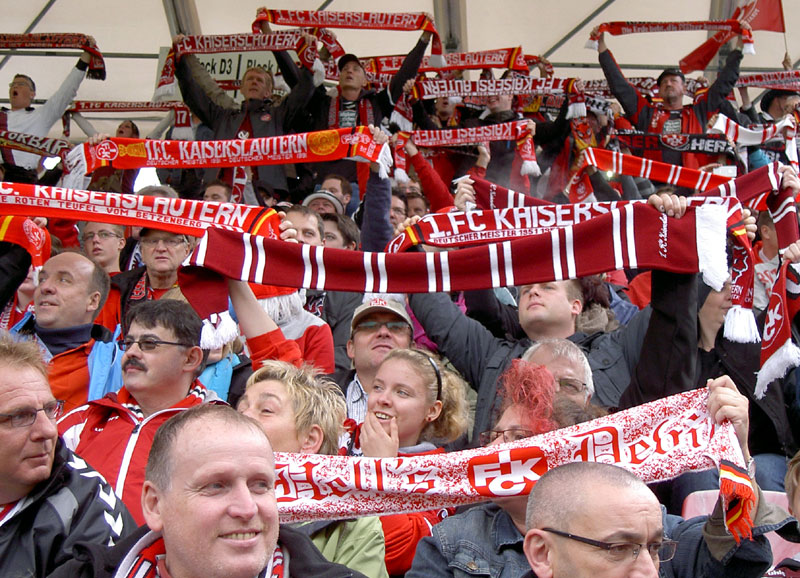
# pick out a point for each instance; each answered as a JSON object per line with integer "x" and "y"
{"x": 397, "y": 214}
{"x": 671, "y": 88}
{"x": 20, "y": 93}
{"x": 716, "y": 306}
{"x": 26, "y": 453}
{"x": 322, "y": 206}
{"x": 125, "y": 129}
{"x": 334, "y": 186}
{"x": 499, "y": 102}
{"x": 546, "y": 310}
{"x": 269, "y": 404}
{"x": 368, "y": 348}
{"x": 563, "y": 368}
{"x": 333, "y": 238}
{"x": 162, "y": 252}
{"x": 416, "y": 206}
{"x": 104, "y": 252}
{"x": 400, "y": 393}
{"x": 216, "y": 193}
{"x": 444, "y": 108}
{"x": 515, "y": 506}
{"x": 608, "y": 514}
{"x": 352, "y": 76}
{"x": 151, "y": 376}
{"x": 63, "y": 297}
{"x": 307, "y": 229}
{"x": 256, "y": 84}
{"x": 219, "y": 516}
{"x": 789, "y": 103}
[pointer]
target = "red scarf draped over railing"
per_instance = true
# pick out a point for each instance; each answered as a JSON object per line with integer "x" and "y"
{"x": 97, "y": 66}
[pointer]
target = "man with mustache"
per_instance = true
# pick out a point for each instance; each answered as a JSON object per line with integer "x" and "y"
{"x": 160, "y": 366}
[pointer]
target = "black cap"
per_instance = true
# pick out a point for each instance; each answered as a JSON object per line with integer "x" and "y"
{"x": 348, "y": 58}
{"x": 774, "y": 93}
{"x": 670, "y": 72}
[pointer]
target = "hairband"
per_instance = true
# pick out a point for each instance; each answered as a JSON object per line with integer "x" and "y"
{"x": 438, "y": 377}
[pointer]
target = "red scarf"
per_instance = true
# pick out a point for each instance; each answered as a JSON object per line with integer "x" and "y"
{"x": 619, "y": 28}
{"x": 782, "y": 80}
{"x": 657, "y": 441}
{"x": 646, "y": 85}
{"x": 504, "y": 58}
{"x": 27, "y": 234}
{"x": 759, "y": 134}
{"x": 356, "y": 20}
{"x": 320, "y": 146}
{"x": 97, "y": 67}
{"x": 51, "y": 147}
{"x": 215, "y": 44}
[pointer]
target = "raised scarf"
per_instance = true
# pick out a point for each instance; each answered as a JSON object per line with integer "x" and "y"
{"x": 357, "y": 20}
{"x": 657, "y": 441}
{"x": 504, "y": 58}
{"x": 781, "y": 80}
{"x": 23, "y": 232}
{"x": 45, "y": 146}
{"x": 516, "y": 85}
{"x": 620, "y": 28}
{"x": 713, "y": 144}
{"x": 327, "y": 145}
{"x": 217, "y": 43}
{"x": 447, "y": 137}
{"x": 97, "y": 67}
{"x": 759, "y": 134}
{"x": 182, "y": 120}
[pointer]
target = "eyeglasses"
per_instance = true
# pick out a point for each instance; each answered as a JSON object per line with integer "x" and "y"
{"x": 168, "y": 242}
{"x": 509, "y": 435}
{"x": 26, "y": 417}
{"x": 625, "y": 551}
{"x": 569, "y": 385}
{"x": 103, "y": 235}
{"x": 393, "y": 326}
{"x": 148, "y": 343}
{"x": 399, "y": 211}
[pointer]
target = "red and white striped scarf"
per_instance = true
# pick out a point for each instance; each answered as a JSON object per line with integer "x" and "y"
{"x": 503, "y": 58}
{"x": 657, "y": 441}
{"x": 620, "y": 28}
{"x": 357, "y": 20}
{"x": 781, "y": 80}
{"x": 447, "y": 137}
{"x": 759, "y": 134}
{"x": 45, "y": 146}
{"x": 217, "y": 43}
{"x": 632, "y": 236}
{"x": 183, "y": 119}
{"x": 327, "y": 145}
{"x": 97, "y": 66}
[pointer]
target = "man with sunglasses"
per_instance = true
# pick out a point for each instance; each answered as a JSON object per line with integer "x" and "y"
{"x": 50, "y": 500}
{"x": 160, "y": 366}
{"x": 378, "y": 326}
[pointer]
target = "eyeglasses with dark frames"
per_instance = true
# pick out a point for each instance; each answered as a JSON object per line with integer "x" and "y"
{"x": 509, "y": 435}
{"x": 148, "y": 343}
{"x": 625, "y": 551}
{"x": 27, "y": 417}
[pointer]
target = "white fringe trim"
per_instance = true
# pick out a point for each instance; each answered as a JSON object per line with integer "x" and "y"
{"x": 787, "y": 357}
{"x": 576, "y": 110}
{"x": 749, "y": 48}
{"x": 319, "y": 72}
{"x": 740, "y": 325}
{"x": 385, "y": 161}
{"x": 402, "y": 122}
{"x": 401, "y": 176}
{"x": 437, "y": 61}
{"x": 166, "y": 92}
{"x": 711, "y": 248}
{"x": 218, "y": 330}
{"x": 591, "y": 44}
{"x": 530, "y": 168}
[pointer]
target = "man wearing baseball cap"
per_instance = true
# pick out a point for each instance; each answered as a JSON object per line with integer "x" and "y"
{"x": 379, "y": 325}
{"x": 324, "y": 202}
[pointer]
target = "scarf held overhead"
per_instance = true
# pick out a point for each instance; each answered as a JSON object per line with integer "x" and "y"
{"x": 657, "y": 441}
{"x": 97, "y": 66}
{"x": 409, "y": 21}
{"x": 620, "y": 28}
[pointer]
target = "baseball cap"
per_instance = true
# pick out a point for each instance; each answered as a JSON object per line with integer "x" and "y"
{"x": 348, "y": 58}
{"x": 670, "y": 72}
{"x": 328, "y": 196}
{"x": 379, "y": 305}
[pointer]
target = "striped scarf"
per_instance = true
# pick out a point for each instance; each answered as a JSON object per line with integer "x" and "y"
{"x": 620, "y": 28}
{"x": 97, "y": 66}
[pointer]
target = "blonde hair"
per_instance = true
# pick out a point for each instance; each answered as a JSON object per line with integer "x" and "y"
{"x": 315, "y": 400}
{"x": 792, "y": 478}
{"x": 453, "y": 420}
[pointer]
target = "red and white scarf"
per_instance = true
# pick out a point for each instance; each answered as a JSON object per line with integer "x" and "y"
{"x": 447, "y": 137}
{"x": 97, "y": 67}
{"x": 23, "y": 232}
{"x": 630, "y": 237}
{"x": 620, "y": 28}
{"x": 516, "y": 85}
{"x": 45, "y": 146}
{"x": 646, "y": 85}
{"x": 759, "y": 134}
{"x": 327, "y": 145}
{"x": 357, "y": 20}
{"x": 657, "y": 441}
{"x": 533, "y": 60}
{"x": 183, "y": 118}
{"x": 781, "y": 80}
{"x": 215, "y": 44}
{"x": 503, "y": 58}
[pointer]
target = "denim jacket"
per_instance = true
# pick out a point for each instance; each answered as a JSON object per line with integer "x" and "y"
{"x": 483, "y": 541}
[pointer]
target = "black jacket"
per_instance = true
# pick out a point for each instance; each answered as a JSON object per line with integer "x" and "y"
{"x": 73, "y": 507}
{"x": 304, "y": 559}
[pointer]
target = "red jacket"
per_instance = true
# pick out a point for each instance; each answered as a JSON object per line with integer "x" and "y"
{"x": 114, "y": 437}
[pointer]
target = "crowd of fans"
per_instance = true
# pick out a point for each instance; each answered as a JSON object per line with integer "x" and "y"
{"x": 103, "y": 342}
